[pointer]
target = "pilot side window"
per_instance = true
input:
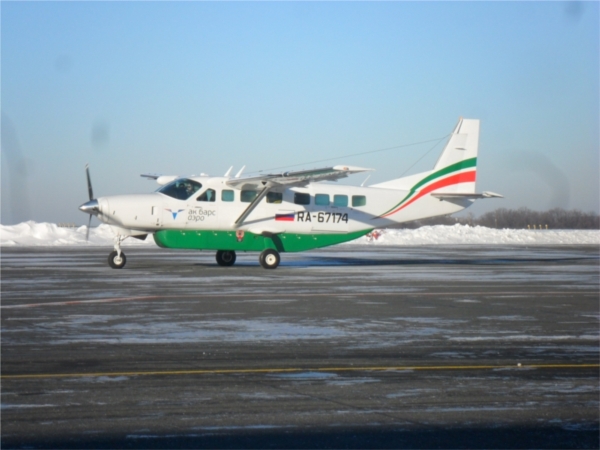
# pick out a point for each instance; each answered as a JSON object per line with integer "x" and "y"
{"x": 274, "y": 197}
{"x": 208, "y": 195}
{"x": 322, "y": 199}
{"x": 227, "y": 195}
{"x": 248, "y": 195}
{"x": 180, "y": 189}
{"x": 301, "y": 198}
{"x": 359, "y": 200}
{"x": 340, "y": 200}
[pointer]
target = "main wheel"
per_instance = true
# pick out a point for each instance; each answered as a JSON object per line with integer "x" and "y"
{"x": 226, "y": 258}
{"x": 269, "y": 258}
{"x": 115, "y": 261}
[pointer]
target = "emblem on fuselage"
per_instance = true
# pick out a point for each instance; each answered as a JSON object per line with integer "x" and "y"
{"x": 174, "y": 213}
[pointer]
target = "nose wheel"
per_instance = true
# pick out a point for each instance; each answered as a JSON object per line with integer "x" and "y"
{"x": 269, "y": 259}
{"x": 116, "y": 260}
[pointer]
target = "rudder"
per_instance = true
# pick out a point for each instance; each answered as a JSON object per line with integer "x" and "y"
{"x": 455, "y": 169}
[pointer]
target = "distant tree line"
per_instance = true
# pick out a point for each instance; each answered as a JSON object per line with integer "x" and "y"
{"x": 522, "y": 218}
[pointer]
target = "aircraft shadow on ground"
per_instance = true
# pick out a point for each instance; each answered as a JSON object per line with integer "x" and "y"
{"x": 349, "y": 261}
{"x": 492, "y": 437}
{"x": 313, "y": 261}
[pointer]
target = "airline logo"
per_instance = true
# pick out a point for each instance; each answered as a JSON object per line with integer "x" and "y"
{"x": 284, "y": 217}
{"x": 174, "y": 213}
{"x": 460, "y": 172}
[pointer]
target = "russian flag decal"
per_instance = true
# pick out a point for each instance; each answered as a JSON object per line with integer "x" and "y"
{"x": 285, "y": 217}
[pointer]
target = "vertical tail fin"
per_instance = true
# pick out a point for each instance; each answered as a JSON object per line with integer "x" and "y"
{"x": 455, "y": 169}
{"x": 446, "y": 189}
{"x": 460, "y": 157}
{"x": 463, "y": 144}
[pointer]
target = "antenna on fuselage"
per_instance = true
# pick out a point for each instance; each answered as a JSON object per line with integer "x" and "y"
{"x": 228, "y": 172}
{"x": 240, "y": 172}
{"x": 363, "y": 183}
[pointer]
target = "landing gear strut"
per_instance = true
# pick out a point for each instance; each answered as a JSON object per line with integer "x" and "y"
{"x": 269, "y": 259}
{"x": 117, "y": 259}
{"x": 226, "y": 258}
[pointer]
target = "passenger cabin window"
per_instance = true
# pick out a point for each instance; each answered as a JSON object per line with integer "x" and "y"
{"x": 274, "y": 197}
{"x": 208, "y": 195}
{"x": 227, "y": 195}
{"x": 359, "y": 200}
{"x": 322, "y": 199}
{"x": 181, "y": 189}
{"x": 301, "y": 199}
{"x": 340, "y": 200}
{"x": 248, "y": 196}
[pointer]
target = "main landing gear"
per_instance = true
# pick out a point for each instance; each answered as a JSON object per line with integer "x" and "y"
{"x": 117, "y": 259}
{"x": 269, "y": 258}
{"x": 226, "y": 258}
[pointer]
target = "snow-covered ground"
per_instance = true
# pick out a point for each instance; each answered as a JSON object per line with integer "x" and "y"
{"x": 49, "y": 234}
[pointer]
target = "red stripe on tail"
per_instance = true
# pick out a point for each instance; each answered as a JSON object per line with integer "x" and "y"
{"x": 463, "y": 177}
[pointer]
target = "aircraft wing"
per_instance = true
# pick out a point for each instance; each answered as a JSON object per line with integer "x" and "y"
{"x": 160, "y": 179}
{"x": 297, "y": 178}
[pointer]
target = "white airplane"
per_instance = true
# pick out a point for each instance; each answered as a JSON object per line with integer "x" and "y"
{"x": 289, "y": 211}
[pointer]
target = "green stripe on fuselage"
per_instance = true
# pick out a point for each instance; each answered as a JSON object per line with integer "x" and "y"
{"x": 227, "y": 240}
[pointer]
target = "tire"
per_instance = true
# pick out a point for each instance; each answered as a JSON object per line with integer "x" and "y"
{"x": 225, "y": 258}
{"x": 269, "y": 259}
{"x": 115, "y": 262}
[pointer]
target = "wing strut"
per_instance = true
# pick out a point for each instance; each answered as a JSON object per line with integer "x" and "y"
{"x": 253, "y": 205}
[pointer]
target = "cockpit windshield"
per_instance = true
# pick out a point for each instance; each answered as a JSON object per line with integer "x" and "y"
{"x": 180, "y": 189}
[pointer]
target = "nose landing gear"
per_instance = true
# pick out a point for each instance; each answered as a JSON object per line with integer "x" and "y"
{"x": 117, "y": 259}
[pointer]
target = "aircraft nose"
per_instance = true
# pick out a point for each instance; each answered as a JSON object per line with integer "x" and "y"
{"x": 91, "y": 207}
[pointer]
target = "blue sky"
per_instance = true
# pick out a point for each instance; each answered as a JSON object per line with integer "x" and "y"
{"x": 191, "y": 87}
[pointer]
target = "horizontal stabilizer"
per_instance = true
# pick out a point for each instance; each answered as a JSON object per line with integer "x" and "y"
{"x": 458, "y": 195}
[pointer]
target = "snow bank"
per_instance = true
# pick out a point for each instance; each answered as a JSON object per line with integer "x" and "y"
{"x": 465, "y": 234}
{"x": 49, "y": 234}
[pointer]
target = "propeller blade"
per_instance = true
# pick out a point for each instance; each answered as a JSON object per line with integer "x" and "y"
{"x": 89, "y": 182}
{"x": 87, "y": 233}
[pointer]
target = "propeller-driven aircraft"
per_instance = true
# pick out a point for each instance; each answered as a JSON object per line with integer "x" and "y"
{"x": 289, "y": 211}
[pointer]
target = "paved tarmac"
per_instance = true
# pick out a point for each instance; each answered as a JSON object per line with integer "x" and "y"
{"x": 350, "y": 347}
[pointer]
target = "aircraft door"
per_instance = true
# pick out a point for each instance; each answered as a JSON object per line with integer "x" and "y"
{"x": 201, "y": 212}
{"x": 156, "y": 214}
